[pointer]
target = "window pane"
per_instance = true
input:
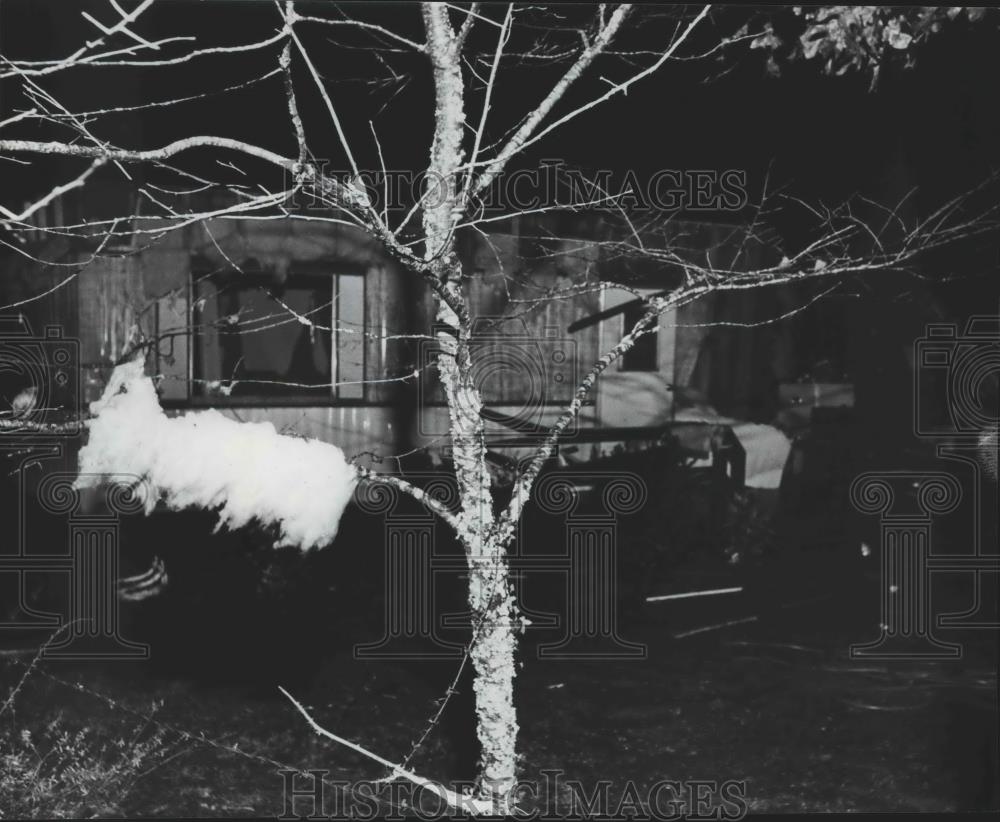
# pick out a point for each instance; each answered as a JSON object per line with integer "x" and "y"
{"x": 350, "y": 313}
{"x": 208, "y": 358}
{"x": 252, "y": 334}
{"x": 172, "y": 346}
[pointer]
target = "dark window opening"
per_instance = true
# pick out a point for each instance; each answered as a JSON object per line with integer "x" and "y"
{"x": 642, "y": 355}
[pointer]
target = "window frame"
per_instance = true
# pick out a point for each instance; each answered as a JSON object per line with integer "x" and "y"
{"x": 196, "y": 398}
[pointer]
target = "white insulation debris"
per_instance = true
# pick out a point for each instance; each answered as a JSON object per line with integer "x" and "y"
{"x": 245, "y": 471}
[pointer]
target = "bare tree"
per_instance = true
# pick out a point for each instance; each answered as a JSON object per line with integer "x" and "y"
{"x": 467, "y": 51}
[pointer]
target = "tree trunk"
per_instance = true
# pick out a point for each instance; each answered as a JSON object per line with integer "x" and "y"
{"x": 490, "y": 599}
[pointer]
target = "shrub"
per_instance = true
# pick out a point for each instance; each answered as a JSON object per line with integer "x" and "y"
{"x": 62, "y": 771}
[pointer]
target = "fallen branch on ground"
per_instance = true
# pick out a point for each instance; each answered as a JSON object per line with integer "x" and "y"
{"x": 453, "y": 800}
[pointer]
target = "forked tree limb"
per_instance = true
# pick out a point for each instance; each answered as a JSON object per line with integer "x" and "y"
{"x": 454, "y": 801}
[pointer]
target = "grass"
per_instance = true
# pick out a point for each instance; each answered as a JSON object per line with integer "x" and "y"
{"x": 61, "y": 765}
{"x": 774, "y": 704}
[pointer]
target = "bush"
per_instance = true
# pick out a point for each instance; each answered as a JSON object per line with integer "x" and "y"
{"x": 61, "y": 771}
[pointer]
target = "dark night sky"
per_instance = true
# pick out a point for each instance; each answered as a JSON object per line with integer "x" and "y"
{"x": 824, "y": 137}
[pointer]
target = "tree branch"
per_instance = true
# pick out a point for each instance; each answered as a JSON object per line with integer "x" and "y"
{"x": 525, "y": 136}
{"x": 453, "y": 800}
{"x": 470, "y": 17}
{"x": 521, "y": 136}
{"x": 502, "y": 39}
{"x": 285, "y": 61}
{"x": 361, "y": 25}
{"x": 290, "y": 18}
{"x": 147, "y": 155}
{"x": 412, "y": 490}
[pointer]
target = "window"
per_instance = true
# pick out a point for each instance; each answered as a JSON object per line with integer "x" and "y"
{"x": 251, "y": 338}
{"x": 642, "y": 355}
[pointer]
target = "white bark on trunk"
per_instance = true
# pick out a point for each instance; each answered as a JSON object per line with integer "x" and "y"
{"x": 489, "y": 596}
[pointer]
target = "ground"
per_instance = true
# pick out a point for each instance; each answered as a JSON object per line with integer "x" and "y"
{"x": 776, "y": 703}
